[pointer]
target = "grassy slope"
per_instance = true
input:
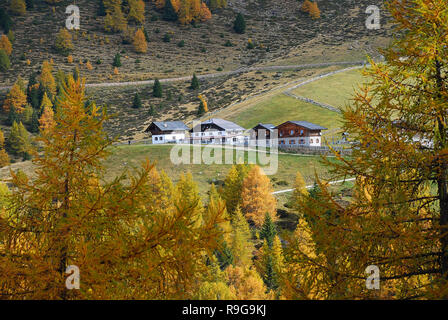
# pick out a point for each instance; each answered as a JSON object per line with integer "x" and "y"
{"x": 131, "y": 156}
{"x": 281, "y": 108}
{"x": 336, "y": 90}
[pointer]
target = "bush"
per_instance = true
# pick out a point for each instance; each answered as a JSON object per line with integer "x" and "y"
{"x": 181, "y": 44}
{"x": 166, "y": 38}
{"x": 228, "y": 44}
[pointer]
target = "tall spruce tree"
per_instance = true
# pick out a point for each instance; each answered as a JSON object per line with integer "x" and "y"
{"x": 194, "y": 82}
{"x": 157, "y": 90}
{"x": 169, "y": 14}
{"x": 137, "y": 103}
{"x": 240, "y": 24}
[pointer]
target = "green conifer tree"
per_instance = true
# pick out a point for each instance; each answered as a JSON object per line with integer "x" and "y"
{"x": 157, "y": 90}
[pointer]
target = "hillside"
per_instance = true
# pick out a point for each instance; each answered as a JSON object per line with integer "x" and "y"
{"x": 282, "y": 34}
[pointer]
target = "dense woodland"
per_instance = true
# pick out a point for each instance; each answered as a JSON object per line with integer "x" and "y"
{"x": 141, "y": 236}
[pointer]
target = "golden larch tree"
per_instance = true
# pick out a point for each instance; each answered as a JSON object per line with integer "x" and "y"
{"x": 257, "y": 198}
{"x": 5, "y": 44}
{"x": 136, "y": 11}
{"x": 139, "y": 41}
{"x": 397, "y": 218}
{"x": 70, "y": 215}
{"x": 15, "y": 98}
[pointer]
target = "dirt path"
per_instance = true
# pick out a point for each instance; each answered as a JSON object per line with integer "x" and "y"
{"x": 217, "y": 74}
{"x": 310, "y": 186}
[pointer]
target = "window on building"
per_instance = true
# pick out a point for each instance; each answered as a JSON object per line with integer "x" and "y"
{"x": 301, "y": 132}
{"x": 292, "y": 142}
{"x": 317, "y": 140}
{"x": 311, "y": 140}
{"x": 292, "y": 132}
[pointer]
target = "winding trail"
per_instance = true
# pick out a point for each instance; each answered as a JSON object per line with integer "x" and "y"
{"x": 216, "y": 74}
{"x": 310, "y": 186}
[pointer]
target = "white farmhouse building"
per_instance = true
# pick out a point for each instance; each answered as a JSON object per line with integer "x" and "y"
{"x": 217, "y": 131}
{"x": 167, "y": 131}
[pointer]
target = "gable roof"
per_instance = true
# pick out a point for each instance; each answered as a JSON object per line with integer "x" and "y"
{"x": 268, "y": 126}
{"x": 306, "y": 124}
{"x": 169, "y": 125}
{"x": 224, "y": 124}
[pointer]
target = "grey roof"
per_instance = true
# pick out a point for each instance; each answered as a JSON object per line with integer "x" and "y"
{"x": 308, "y": 125}
{"x": 226, "y": 125}
{"x": 171, "y": 125}
{"x": 268, "y": 126}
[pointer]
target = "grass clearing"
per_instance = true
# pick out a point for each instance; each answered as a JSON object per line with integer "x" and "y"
{"x": 281, "y": 108}
{"x": 127, "y": 157}
{"x": 336, "y": 90}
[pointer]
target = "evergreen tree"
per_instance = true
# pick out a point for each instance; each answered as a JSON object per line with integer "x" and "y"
{"x": 12, "y": 116}
{"x": 117, "y": 61}
{"x": 101, "y": 9}
{"x": 194, "y": 83}
{"x": 151, "y": 110}
{"x": 146, "y": 34}
{"x": 157, "y": 90}
{"x": 32, "y": 91}
{"x": 34, "y": 126}
{"x": 29, "y": 4}
{"x": 27, "y": 114}
{"x": 137, "y": 104}
{"x": 270, "y": 276}
{"x": 240, "y": 24}
{"x": 169, "y": 14}
{"x": 18, "y": 141}
{"x": 5, "y": 64}
{"x": 201, "y": 109}
{"x": 5, "y": 21}
{"x": 268, "y": 231}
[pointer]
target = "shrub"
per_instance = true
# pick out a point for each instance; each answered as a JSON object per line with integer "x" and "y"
{"x": 166, "y": 38}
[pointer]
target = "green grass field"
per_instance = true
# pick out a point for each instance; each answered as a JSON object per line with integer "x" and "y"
{"x": 281, "y": 108}
{"x": 123, "y": 157}
{"x": 336, "y": 90}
